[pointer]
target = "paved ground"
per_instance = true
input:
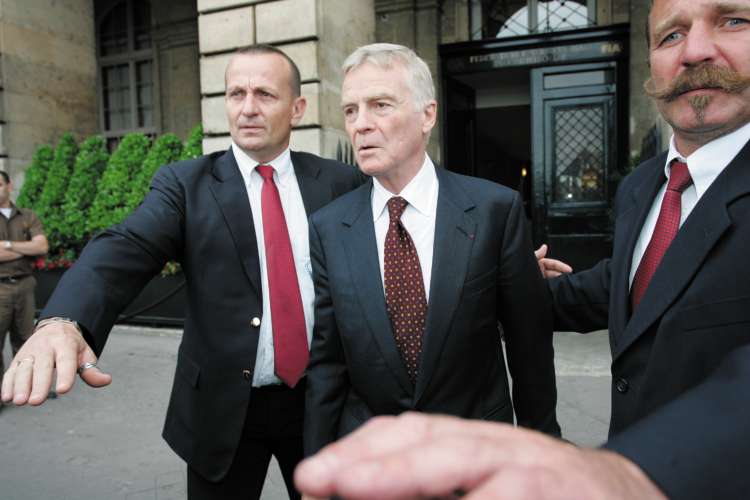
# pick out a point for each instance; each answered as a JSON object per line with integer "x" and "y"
{"x": 106, "y": 443}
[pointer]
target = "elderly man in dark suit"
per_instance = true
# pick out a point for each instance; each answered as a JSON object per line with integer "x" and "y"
{"x": 237, "y": 222}
{"x": 414, "y": 270}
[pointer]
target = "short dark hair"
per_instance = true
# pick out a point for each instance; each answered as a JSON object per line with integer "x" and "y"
{"x": 261, "y": 48}
{"x": 5, "y": 176}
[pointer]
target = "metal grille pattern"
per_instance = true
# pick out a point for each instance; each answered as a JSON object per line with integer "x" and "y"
{"x": 579, "y": 148}
{"x": 553, "y": 15}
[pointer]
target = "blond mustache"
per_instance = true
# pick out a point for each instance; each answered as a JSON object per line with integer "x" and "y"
{"x": 699, "y": 77}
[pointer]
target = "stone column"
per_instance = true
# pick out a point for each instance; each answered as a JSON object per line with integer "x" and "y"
{"x": 649, "y": 133}
{"x": 47, "y": 77}
{"x": 416, "y": 24}
{"x": 316, "y": 34}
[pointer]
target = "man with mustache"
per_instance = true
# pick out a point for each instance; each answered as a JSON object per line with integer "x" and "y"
{"x": 675, "y": 296}
{"x": 414, "y": 270}
{"x": 237, "y": 222}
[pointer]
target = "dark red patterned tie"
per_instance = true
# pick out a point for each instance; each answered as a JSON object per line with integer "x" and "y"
{"x": 665, "y": 230}
{"x": 287, "y": 315}
{"x": 405, "y": 297}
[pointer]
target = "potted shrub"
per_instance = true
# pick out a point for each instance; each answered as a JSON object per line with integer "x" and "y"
{"x": 102, "y": 191}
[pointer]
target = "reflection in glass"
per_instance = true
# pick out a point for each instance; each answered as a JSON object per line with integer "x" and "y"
{"x": 579, "y": 174}
{"x": 115, "y": 89}
{"x": 144, "y": 79}
{"x": 126, "y": 67}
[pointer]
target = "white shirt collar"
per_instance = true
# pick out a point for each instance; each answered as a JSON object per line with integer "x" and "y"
{"x": 419, "y": 192}
{"x": 282, "y": 165}
{"x": 708, "y": 161}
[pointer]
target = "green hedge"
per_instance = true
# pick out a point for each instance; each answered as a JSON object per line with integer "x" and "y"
{"x": 77, "y": 192}
{"x": 36, "y": 176}
{"x": 194, "y": 144}
{"x": 89, "y": 166}
{"x": 109, "y": 207}
{"x": 49, "y": 206}
{"x": 166, "y": 149}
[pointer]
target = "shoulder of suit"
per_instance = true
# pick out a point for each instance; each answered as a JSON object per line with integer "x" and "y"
{"x": 193, "y": 167}
{"x": 342, "y": 206}
{"x": 476, "y": 187}
{"x": 303, "y": 159}
{"x": 644, "y": 169}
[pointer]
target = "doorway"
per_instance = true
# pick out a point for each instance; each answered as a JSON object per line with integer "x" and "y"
{"x": 544, "y": 116}
{"x": 488, "y": 148}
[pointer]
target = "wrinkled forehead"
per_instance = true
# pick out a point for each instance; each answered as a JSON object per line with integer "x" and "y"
{"x": 666, "y": 12}
{"x": 368, "y": 81}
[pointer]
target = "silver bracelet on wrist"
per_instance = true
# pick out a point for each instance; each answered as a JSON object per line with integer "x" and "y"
{"x": 57, "y": 319}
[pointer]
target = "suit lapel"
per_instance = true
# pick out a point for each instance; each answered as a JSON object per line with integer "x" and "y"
{"x": 628, "y": 229}
{"x": 315, "y": 193}
{"x": 454, "y": 238}
{"x": 228, "y": 188}
{"x": 708, "y": 221}
{"x": 362, "y": 257}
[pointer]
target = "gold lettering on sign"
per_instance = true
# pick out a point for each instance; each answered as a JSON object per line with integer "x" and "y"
{"x": 611, "y": 48}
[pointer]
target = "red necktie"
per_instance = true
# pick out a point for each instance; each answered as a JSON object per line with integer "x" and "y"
{"x": 665, "y": 230}
{"x": 405, "y": 297}
{"x": 287, "y": 315}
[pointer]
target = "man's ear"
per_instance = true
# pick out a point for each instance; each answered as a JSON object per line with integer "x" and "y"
{"x": 298, "y": 109}
{"x": 429, "y": 116}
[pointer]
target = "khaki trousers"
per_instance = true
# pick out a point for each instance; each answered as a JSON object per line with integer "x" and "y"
{"x": 16, "y": 314}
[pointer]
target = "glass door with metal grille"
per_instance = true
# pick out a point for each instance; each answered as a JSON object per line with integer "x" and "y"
{"x": 575, "y": 155}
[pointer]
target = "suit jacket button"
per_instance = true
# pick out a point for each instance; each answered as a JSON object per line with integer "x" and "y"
{"x": 246, "y": 374}
{"x": 255, "y": 322}
{"x": 622, "y": 385}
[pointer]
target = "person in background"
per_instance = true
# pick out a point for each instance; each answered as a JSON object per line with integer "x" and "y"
{"x": 21, "y": 240}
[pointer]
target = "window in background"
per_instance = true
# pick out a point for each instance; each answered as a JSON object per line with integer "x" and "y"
{"x": 126, "y": 82}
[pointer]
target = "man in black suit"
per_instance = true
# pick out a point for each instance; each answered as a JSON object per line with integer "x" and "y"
{"x": 381, "y": 344}
{"x": 237, "y": 223}
{"x": 675, "y": 296}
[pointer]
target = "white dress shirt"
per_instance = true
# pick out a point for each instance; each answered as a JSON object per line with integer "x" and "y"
{"x": 418, "y": 218}
{"x": 296, "y": 222}
{"x": 704, "y": 165}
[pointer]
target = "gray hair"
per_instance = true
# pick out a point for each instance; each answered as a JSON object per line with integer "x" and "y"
{"x": 385, "y": 56}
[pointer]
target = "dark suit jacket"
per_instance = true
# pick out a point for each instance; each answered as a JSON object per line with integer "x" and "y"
{"x": 680, "y": 414}
{"x": 483, "y": 271}
{"x": 198, "y": 213}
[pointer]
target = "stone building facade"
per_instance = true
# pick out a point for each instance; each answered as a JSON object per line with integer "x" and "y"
{"x": 104, "y": 66}
{"x": 114, "y": 66}
{"x": 317, "y": 35}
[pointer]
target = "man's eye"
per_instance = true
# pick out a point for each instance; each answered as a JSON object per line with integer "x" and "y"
{"x": 671, "y": 37}
{"x": 736, "y": 21}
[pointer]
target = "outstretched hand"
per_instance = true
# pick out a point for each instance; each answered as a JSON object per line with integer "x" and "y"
{"x": 419, "y": 456}
{"x": 56, "y": 347}
{"x": 550, "y": 268}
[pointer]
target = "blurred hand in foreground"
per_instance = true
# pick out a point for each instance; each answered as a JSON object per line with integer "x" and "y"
{"x": 420, "y": 456}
